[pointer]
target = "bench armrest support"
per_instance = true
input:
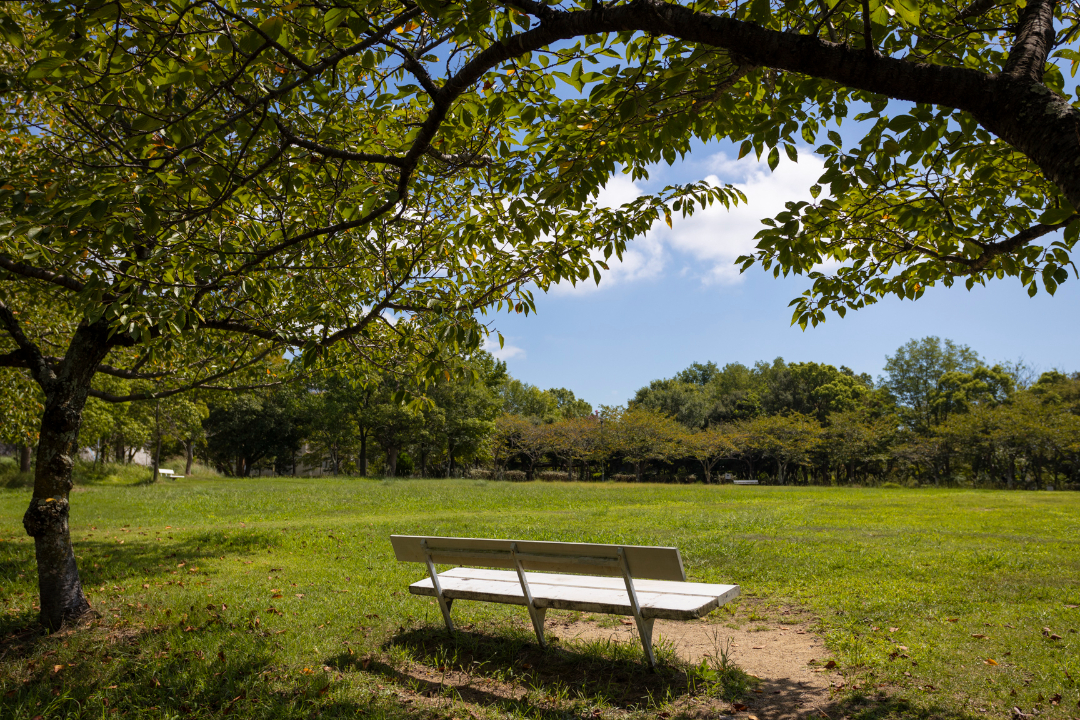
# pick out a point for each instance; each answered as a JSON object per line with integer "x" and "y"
{"x": 535, "y": 614}
{"x": 644, "y": 626}
{"x": 444, "y": 604}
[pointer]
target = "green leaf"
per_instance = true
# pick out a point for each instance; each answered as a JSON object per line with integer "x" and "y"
{"x": 335, "y": 17}
{"x": 774, "y": 158}
{"x": 908, "y": 11}
{"x": 273, "y": 26}
{"x": 1053, "y": 216}
{"x": 43, "y": 67}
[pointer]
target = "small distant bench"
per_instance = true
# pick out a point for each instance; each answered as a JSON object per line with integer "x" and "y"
{"x": 746, "y": 482}
{"x": 170, "y": 474}
{"x": 643, "y": 582}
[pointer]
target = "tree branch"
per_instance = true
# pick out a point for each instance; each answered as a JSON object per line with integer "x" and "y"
{"x": 35, "y": 361}
{"x": 1015, "y": 242}
{"x": 48, "y": 276}
{"x": 315, "y": 147}
{"x": 197, "y": 385}
{"x": 1034, "y": 40}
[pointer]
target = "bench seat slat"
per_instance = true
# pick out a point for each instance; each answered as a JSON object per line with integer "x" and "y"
{"x": 549, "y": 592}
{"x": 594, "y": 581}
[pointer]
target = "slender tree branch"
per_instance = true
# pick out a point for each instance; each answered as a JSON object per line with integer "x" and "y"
{"x": 294, "y": 139}
{"x": 868, "y": 30}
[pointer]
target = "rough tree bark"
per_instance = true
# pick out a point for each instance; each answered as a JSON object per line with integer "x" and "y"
{"x": 46, "y": 520}
{"x": 24, "y": 458}
{"x": 363, "y": 453}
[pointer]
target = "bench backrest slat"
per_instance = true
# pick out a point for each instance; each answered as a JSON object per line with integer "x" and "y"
{"x": 653, "y": 563}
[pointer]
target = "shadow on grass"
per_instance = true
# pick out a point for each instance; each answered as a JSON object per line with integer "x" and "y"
{"x": 509, "y": 672}
{"x": 162, "y": 672}
{"x": 108, "y": 563}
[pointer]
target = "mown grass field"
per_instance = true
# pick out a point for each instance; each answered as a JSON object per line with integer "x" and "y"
{"x": 281, "y": 598}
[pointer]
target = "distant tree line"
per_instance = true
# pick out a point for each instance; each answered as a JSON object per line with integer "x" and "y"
{"x": 939, "y": 415}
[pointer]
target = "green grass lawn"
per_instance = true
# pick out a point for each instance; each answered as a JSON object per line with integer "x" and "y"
{"x": 281, "y": 598}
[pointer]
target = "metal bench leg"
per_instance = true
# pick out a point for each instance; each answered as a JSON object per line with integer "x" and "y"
{"x": 644, "y": 625}
{"x": 444, "y": 603}
{"x": 535, "y": 614}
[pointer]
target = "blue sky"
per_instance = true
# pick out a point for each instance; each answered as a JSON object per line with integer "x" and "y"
{"x": 677, "y": 298}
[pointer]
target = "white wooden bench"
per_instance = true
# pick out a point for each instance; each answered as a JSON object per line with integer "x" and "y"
{"x": 746, "y": 482}
{"x": 643, "y": 582}
{"x": 170, "y": 474}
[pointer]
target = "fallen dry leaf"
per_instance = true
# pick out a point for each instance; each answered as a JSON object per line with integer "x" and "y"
{"x": 892, "y": 630}
{"x": 951, "y": 619}
{"x": 980, "y": 636}
{"x": 831, "y": 664}
{"x": 990, "y": 661}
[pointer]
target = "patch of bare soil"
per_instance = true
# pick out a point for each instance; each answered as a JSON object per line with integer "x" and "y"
{"x": 789, "y": 659}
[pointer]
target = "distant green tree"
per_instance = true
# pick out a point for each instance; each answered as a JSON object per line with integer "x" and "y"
{"x": 519, "y": 398}
{"x": 810, "y": 388}
{"x": 913, "y": 372}
{"x": 567, "y": 405}
{"x": 785, "y": 439}
{"x": 467, "y": 410}
{"x": 958, "y": 392}
{"x": 713, "y": 444}
{"x": 640, "y": 434}
{"x": 21, "y": 403}
{"x": 246, "y": 428}
{"x": 856, "y": 442}
{"x": 393, "y": 425}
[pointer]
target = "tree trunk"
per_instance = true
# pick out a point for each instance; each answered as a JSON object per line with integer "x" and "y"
{"x": 391, "y": 461}
{"x": 46, "y": 520}
{"x": 363, "y": 454}
{"x": 157, "y": 445}
{"x": 189, "y": 455}
{"x": 24, "y": 458}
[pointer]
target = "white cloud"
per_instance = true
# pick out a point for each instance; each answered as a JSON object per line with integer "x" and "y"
{"x": 505, "y": 352}
{"x": 716, "y": 235}
{"x": 643, "y": 259}
{"x": 707, "y": 242}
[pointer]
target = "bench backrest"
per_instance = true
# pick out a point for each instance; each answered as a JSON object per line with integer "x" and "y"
{"x": 653, "y": 563}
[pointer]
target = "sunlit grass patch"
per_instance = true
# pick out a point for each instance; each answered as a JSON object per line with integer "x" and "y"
{"x": 281, "y": 598}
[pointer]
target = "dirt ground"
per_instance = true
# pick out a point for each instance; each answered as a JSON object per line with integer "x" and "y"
{"x": 780, "y": 654}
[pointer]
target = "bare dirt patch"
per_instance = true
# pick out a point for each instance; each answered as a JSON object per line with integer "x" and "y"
{"x": 789, "y": 659}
